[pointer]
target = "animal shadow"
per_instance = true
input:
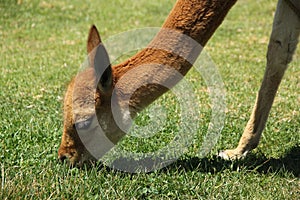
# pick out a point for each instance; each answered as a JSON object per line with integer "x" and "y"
{"x": 290, "y": 162}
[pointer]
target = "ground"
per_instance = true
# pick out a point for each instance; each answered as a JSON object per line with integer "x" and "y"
{"x": 42, "y": 47}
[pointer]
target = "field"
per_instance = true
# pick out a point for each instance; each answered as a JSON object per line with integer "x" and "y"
{"x": 43, "y": 44}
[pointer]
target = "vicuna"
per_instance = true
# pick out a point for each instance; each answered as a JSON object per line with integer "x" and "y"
{"x": 197, "y": 19}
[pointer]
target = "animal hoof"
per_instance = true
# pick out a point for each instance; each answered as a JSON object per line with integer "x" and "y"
{"x": 232, "y": 154}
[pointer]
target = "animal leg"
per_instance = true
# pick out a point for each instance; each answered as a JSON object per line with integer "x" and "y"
{"x": 282, "y": 45}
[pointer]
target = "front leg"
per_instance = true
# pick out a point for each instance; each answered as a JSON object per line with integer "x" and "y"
{"x": 282, "y": 45}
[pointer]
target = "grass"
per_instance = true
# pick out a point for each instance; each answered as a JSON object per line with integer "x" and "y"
{"x": 43, "y": 45}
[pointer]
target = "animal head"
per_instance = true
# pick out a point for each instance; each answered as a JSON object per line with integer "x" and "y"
{"x": 87, "y": 108}
{"x": 91, "y": 125}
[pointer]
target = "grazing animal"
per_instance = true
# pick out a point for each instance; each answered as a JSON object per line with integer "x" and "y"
{"x": 88, "y": 104}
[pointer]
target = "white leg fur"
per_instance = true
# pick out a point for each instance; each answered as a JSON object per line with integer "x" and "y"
{"x": 282, "y": 45}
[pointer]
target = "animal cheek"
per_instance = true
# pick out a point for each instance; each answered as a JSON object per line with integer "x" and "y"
{"x": 67, "y": 140}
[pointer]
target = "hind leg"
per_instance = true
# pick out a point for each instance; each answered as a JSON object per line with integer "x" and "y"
{"x": 282, "y": 44}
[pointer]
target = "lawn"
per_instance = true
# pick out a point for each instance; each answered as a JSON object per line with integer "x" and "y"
{"x": 43, "y": 44}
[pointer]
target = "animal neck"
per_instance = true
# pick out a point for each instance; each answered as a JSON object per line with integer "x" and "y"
{"x": 154, "y": 70}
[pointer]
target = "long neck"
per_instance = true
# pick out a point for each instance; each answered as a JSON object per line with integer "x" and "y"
{"x": 187, "y": 29}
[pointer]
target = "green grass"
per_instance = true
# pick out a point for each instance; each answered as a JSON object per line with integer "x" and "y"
{"x": 43, "y": 45}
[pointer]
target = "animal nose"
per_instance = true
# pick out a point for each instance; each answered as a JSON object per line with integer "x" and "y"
{"x": 62, "y": 158}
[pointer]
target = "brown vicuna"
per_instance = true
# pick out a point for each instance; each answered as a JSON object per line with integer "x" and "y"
{"x": 195, "y": 18}
{"x": 88, "y": 101}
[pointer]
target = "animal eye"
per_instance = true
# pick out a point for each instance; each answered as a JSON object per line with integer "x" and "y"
{"x": 85, "y": 124}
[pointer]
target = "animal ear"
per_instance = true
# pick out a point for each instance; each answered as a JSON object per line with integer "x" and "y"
{"x": 103, "y": 69}
{"x": 99, "y": 59}
{"x": 93, "y": 40}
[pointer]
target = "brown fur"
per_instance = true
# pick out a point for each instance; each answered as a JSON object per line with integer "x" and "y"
{"x": 197, "y": 19}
